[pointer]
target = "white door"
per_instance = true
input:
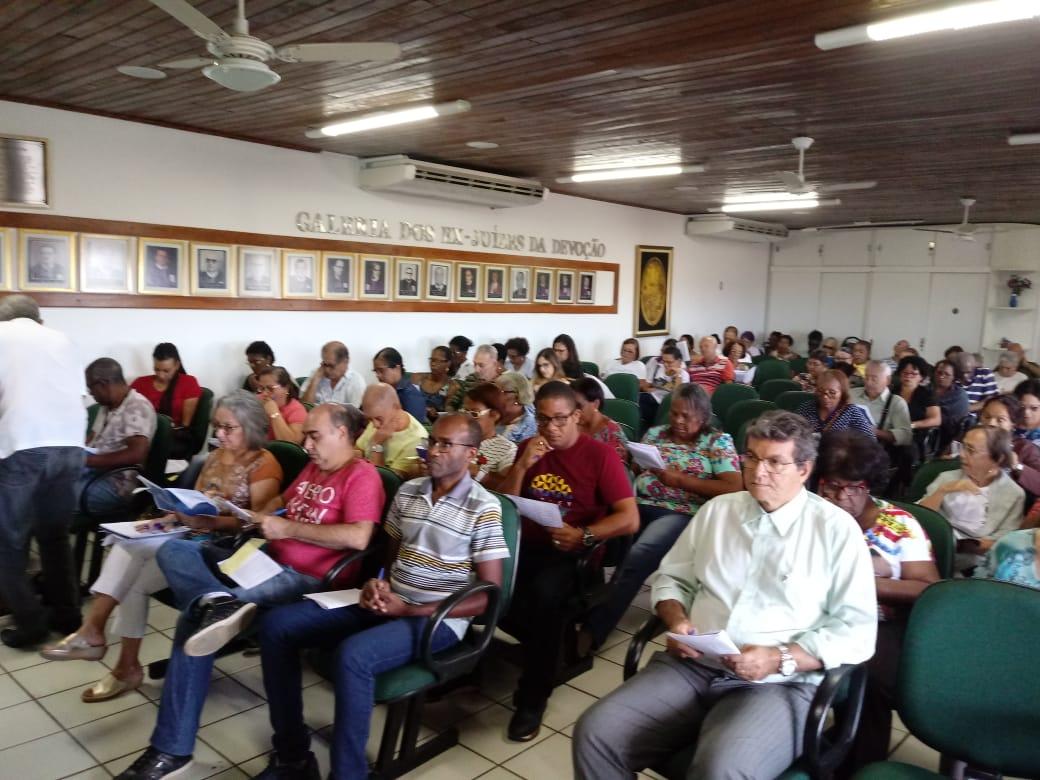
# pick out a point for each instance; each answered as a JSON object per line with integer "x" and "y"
{"x": 903, "y": 246}
{"x": 843, "y": 301}
{"x": 897, "y": 310}
{"x": 956, "y": 310}
{"x": 799, "y": 249}
{"x": 846, "y": 247}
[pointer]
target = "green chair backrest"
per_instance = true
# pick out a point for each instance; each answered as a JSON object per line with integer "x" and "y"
{"x": 511, "y": 532}
{"x": 624, "y": 386}
{"x": 590, "y": 368}
{"x": 391, "y": 482}
{"x": 728, "y": 394}
{"x": 623, "y": 412}
{"x": 742, "y": 411}
{"x": 646, "y": 359}
{"x": 756, "y": 359}
{"x": 926, "y": 473}
{"x": 939, "y": 533}
{"x": 159, "y": 450}
{"x": 968, "y": 685}
{"x": 629, "y": 431}
{"x": 798, "y": 365}
{"x": 790, "y": 400}
{"x": 200, "y": 420}
{"x": 771, "y": 388}
{"x": 291, "y": 457}
{"x": 92, "y": 413}
{"x": 770, "y": 368}
{"x": 740, "y": 437}
{"x": 664, "y": 410}
{"x": 301, "y": 381}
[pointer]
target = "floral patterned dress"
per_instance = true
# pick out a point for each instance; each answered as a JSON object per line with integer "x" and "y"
{"x": 713, "y": 453}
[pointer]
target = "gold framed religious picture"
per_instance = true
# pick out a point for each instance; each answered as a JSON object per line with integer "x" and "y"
{"x": 24, "y": 172}
{"x": 587, "y": 287}
{"x": 543, "y": 285}
{"x": 565, "y": 287}
{"x": 408, "y": 278}
{"x": 494, "y": 284}
{"x": 375, "y": 278}
{"x": 7, "y": 239}
{"x": 299, "y": 274}
{"x": 160, "y": 266}
{"x": 47, "y": 260}
{"x": 438, "y": 280}
{"x": 211, "y": 270}
{"x": 467, "y": 285}
{"x": 258, "y": 275}
{"x": 337, "y": 275}
{"x": 653, "y": 289}
{"x": 519, "y": 284}
{"x": 106, "y": 263}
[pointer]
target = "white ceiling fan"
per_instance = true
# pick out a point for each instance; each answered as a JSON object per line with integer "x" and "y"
{"x": 965, "y": 230}
{"x": 238, "y": 60}
{"x": 795, "y": 183}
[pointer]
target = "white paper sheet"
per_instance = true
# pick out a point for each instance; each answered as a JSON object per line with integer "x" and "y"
{"x": 129, "y": 530}
{"x": 645, "y": 455}
{"x": 542, "y": 512}
{"x": 334, "y": 599}
{"x": 250, "y": 566}
{"x": 712, "y": 645}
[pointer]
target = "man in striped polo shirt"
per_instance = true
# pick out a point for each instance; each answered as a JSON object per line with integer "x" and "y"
{"x": 441, "y": 528}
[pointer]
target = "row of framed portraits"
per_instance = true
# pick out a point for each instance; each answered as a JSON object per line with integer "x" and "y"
{"x": 59, "y": 261}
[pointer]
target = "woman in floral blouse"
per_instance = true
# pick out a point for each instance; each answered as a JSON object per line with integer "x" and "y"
{"x": 593, "y": 422}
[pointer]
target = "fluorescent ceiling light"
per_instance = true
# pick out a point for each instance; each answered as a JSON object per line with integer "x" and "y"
{"x": 389, "y": 118}
{"x": 778, "y": 205}
{"x": 955, "y": 17}
{"x": 1021, "y": 139}
{"x": 768, "y": 197}
{"x": 611, "y": 174}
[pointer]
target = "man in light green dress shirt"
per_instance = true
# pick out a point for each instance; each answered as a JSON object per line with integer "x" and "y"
{"x": 787, "y": 576}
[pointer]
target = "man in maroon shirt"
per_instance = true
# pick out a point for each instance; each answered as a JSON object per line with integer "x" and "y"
{"x": 588, "y": 482}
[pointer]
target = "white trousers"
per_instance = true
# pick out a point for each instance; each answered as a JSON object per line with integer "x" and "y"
{"x": 130, "y": 575}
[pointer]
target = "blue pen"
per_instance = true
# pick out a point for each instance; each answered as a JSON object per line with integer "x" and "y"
{"x": 279, "y": 512}
{"x": 382, "y": 571}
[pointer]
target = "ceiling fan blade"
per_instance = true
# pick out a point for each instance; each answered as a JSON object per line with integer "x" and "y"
{"x": 793, "y": 182}
{"x": 187, "y": 64}
{"x": 847, "y": 185}
{"x": 937, "y": 230}
{"x": 339, "y": 52}
{"x": 194, "y": 20}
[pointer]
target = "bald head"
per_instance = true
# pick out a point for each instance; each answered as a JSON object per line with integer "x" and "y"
{"x": 379, "y": 400}
{"x": 335, "y": 360}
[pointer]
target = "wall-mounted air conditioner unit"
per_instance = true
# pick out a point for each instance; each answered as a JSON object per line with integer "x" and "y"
{"x": 734, "y": 228}
{"x": 398, "y": 173}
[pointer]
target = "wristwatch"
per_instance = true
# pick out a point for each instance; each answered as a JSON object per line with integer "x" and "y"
{"x": 787, "y": 662}
{"x": 376, "y": 448}
{"x": 275, "y": 415}
{"x": 587, "y": 537}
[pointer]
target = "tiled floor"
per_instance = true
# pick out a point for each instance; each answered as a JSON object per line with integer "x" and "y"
{"x": 49, "y": 733}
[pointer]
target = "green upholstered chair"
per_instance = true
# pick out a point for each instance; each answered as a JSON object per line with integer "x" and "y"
{"x": 624, "y": 386}
{"x": 790, "y": 401}
{"x": 825, "y": 741}
{"x": 664, "y": 410}
{"x": 770, "y": 368}
{"x": 625, "y": 413}
{"x": 772, "y": 388}
{"x": 200, "y": 421}
{"x": 967, "y": 684}
{"x": 742, "y": 411}
{"x": 756, "y": 359}
{"x": 798, "y": 365}
{"x": 646, "y": 359}
{"x": 728, "y": 394}
{"x": 926, "y": 473}
{"x": 590, "y": 368}
{"x": 944, "y": 546}
{"x": 301, "y": 381}
{"x": 291, "y": 457}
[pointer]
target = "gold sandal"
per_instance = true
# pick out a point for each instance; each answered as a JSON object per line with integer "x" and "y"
{"x": 111, "y": 686}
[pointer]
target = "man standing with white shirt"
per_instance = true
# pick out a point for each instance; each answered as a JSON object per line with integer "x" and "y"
{"x": 787, "y": 576}
{"x": 42, "y": 421}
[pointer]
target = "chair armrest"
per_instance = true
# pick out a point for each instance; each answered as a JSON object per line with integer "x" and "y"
{"x": 348, "y": 558}
{"x": 823, "y": 752}
{"x": 463, "y": 656}
{"x": 651, "y": 628}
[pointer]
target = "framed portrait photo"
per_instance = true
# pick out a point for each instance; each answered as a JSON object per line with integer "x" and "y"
{"x": 586, "y": 287}
{"x": 467, "y": 282}
{"x": 519, "y": 284}
{"x": 106, "y": 263}
{"x": 543, "y": 285}
{"x": 258, "y": 275}
{"x": 299, "y": 274}
{"x": 407, "y": 278}
{"x": 653, "y": 289}
{"x": 212, "y": 271}
{"x": 7, "y": 245}
{"x": 374, "y": 284}
{"x": 160, "y": 266}
{"x": 47, "y": 260}
{"x": 438, "y": 280}
{"x": 495, "y": 283}
{"x": 337, "y": 275}
{"x": 565, "y": 286}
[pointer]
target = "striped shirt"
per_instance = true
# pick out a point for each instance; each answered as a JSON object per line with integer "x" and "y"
{"x": 983, "y": 385}
{"x": 440, "y": 542}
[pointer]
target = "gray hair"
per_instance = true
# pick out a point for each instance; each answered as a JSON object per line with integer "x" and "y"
{"x": 880, "y": 364}
{"x": 249, "y": 413}
{"x": 516, "y": 382}
{"x": 1010, "y": 358}
{"x": 489, "y": 350}
{"x": 781, "y": 426}
{"x": 14, "y": 307}
{"x": 696, "y": 398}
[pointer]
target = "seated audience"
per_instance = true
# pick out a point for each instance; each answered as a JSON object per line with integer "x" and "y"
{"x": 747, "y": 338}
{"x": 830, "y": 346}
{"x": 887, "y": 411}
{"x": 280, "y": 397}
{"x": 772, "y": 541}
{"x": 334, "y": 381}
{"x": 979, "y": 499}
{"x": 496, "y": 453}
{"x": 388, "y": 366}
{"x": 898, "y": 350}
{"x": 239, "y": 470}
{"x": 547, "y": 369}
{"x": 1027, "y": 367}
{"x": 687, "y": 339}
{"x": 832, "y": 409}
{"x": 710, "y": 369}
{"x": 392, "y": 435}
{"x": 501, "y": 356}
{"x": 1013, "y": 559}
{"x": 485, "y": 369}
{"x": 978, "y": 381}
{"x": 518, "y": 355}
{"x": 1008, "y": 374}
{"x": 743, "y": 368}
{"x": 925, "y": 414}
{"x": 860, "y": 352}
{"x": 436, "y": 385}
{"x": 730, "y": 334}
{"x": 664, "y": 375}
{"x": 814, "y": 340}
{"x": 628, "y": 363}
{"x": 593, "y": 422}
{"x": 173, "y": 392}
{"x": 567, "y": 353}
{"x": 333, "y": 506}
{"x": 259, "y": 356}
{"x": 517, "y": 422}
{"x": 1008, "y": 413}
{"x": 700, "y": 463}
{"x": 445, "y": 532}
{"x": 952, "y": 401}
{"x": 815, "y": 365}
{"x": 460, "y": 367}
{"x": 586, "y": 480}
{"x": 851, "y": 468}
{"x": 783, "y": 349}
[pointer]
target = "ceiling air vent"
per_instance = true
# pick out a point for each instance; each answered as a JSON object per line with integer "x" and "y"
{"x": 401, "y": 174}
{"x": 734, "y": 229}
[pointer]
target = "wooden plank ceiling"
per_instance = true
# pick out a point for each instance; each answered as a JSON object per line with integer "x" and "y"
{"x": 560, "y": 84}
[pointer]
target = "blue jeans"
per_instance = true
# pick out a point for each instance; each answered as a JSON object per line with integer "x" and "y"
{"x": 107, "y": 495}
{"x": 660, "y": 529}
{"x": 186, "y": 565}
{"x": 37, "y": 499}
{"x": 366, "y": 645}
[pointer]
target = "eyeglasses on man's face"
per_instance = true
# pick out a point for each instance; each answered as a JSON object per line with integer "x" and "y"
{"x": 443, "y": 445}
{"x": 558, "y": 421}
{"x": 750, "y": 460}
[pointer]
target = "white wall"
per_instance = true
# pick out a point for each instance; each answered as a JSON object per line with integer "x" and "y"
{"x": 109, "y": 169}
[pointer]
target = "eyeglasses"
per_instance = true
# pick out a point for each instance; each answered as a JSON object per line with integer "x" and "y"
{"x": 267, "y": 388}
{"x": 750, "y": 460}
{"x": 558, "y": 421}
{"x": 443, "y": 445}
{"x": 438, "y": 360}
{"x": 324, "y": 364}
{"x": 475, "y": 415}
{"x": 829, "y": 393}
{"x": 837, "y": 489}
{"x": 225, "y": 427}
